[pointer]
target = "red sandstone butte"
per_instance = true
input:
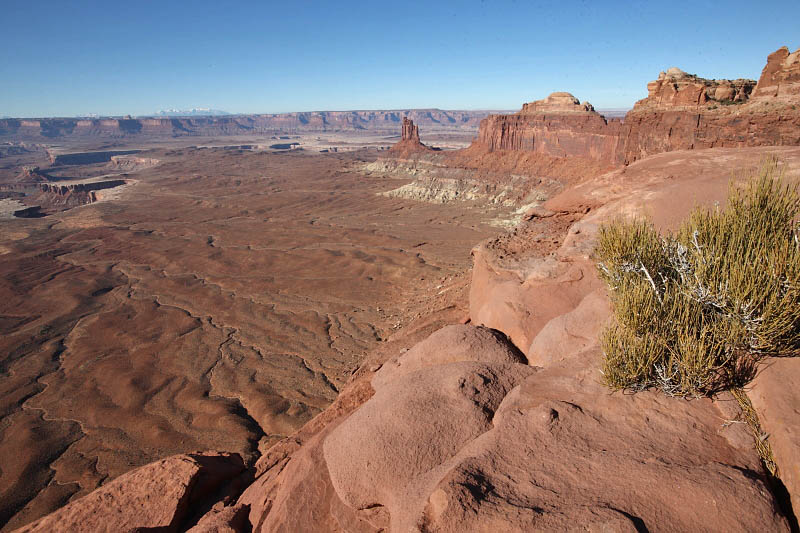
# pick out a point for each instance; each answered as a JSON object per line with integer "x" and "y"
{"x": 409, "y": 141}
{"x": 558, "y": 126}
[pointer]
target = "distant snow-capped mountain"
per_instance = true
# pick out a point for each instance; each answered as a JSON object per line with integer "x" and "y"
{"x": 194, "y": 112}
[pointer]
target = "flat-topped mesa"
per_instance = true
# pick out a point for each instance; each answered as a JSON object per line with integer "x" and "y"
{"x": 677, "y": 89}
{"x": 409, "y": 140}
{"x": 781, "y": 76}
{"x": 63, "y": 190}
{"x": 558, "y": 102}
{"x": 557, "y": 126}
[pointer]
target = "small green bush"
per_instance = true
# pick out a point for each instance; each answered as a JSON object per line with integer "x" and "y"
{"x": 696, "y": 311}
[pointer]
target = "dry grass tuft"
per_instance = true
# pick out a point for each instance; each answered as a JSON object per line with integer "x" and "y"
{"x": 697, "y": 310}
{"x": 759, "y": 436}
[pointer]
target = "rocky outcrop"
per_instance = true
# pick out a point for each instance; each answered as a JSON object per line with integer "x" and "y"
{"x": 780, "y": 78}
{"x": 129, "y": 163}
{"x": 32, "y": 174}
{"x": 682, "y": 111}
{"x": 677, "y": 89}
{"x": 410, "y": 132}
{"x": 161, "y": 496}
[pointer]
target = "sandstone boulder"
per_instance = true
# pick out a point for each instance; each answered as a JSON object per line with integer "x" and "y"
{"x": 477, "y": 447}
{"x": 564, "y": 455}
{"x": 389, "y": 451}
{"x": 230, "y": 519}
{"x": 571, "y": 333}
{"x": 451, "y": 344}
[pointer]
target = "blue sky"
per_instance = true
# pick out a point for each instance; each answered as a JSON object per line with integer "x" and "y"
{"x": 70, "y": 58}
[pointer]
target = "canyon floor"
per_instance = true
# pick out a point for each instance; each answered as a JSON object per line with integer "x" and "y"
{"x": 218, "y": 301}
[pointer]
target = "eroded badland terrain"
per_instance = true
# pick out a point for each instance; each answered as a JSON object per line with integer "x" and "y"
{"x": 401, "y": 340}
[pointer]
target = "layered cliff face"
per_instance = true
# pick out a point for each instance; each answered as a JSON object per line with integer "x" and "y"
{"x": 682, "y": 111}
{"x": 649, "y": 132}
{"x": 558, "y": 126}
{"x": 54, "y": 196}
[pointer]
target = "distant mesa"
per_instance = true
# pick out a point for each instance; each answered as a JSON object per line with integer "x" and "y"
{"x": 88, "y": 158}
{"x": 194, "y": 112}
{"x": 177, "y": 123}
{"x": 57, "y": 197}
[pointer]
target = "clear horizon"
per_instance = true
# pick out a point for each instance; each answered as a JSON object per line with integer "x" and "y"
{"x": 116, "y": 59}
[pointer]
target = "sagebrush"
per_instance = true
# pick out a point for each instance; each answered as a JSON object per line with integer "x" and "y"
{"x": 696, "y": 310}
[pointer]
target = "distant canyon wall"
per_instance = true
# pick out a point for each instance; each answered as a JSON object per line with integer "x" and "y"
{"x": 55, "y": 197}
{"x": 681, "y": 111}
{"x": 318, "y": 121}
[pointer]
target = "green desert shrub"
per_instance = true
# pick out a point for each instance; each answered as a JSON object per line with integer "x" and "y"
{"x": 696, "y": 310}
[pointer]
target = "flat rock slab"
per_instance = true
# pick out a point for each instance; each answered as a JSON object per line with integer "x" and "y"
{"x": 159, "y": 495}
